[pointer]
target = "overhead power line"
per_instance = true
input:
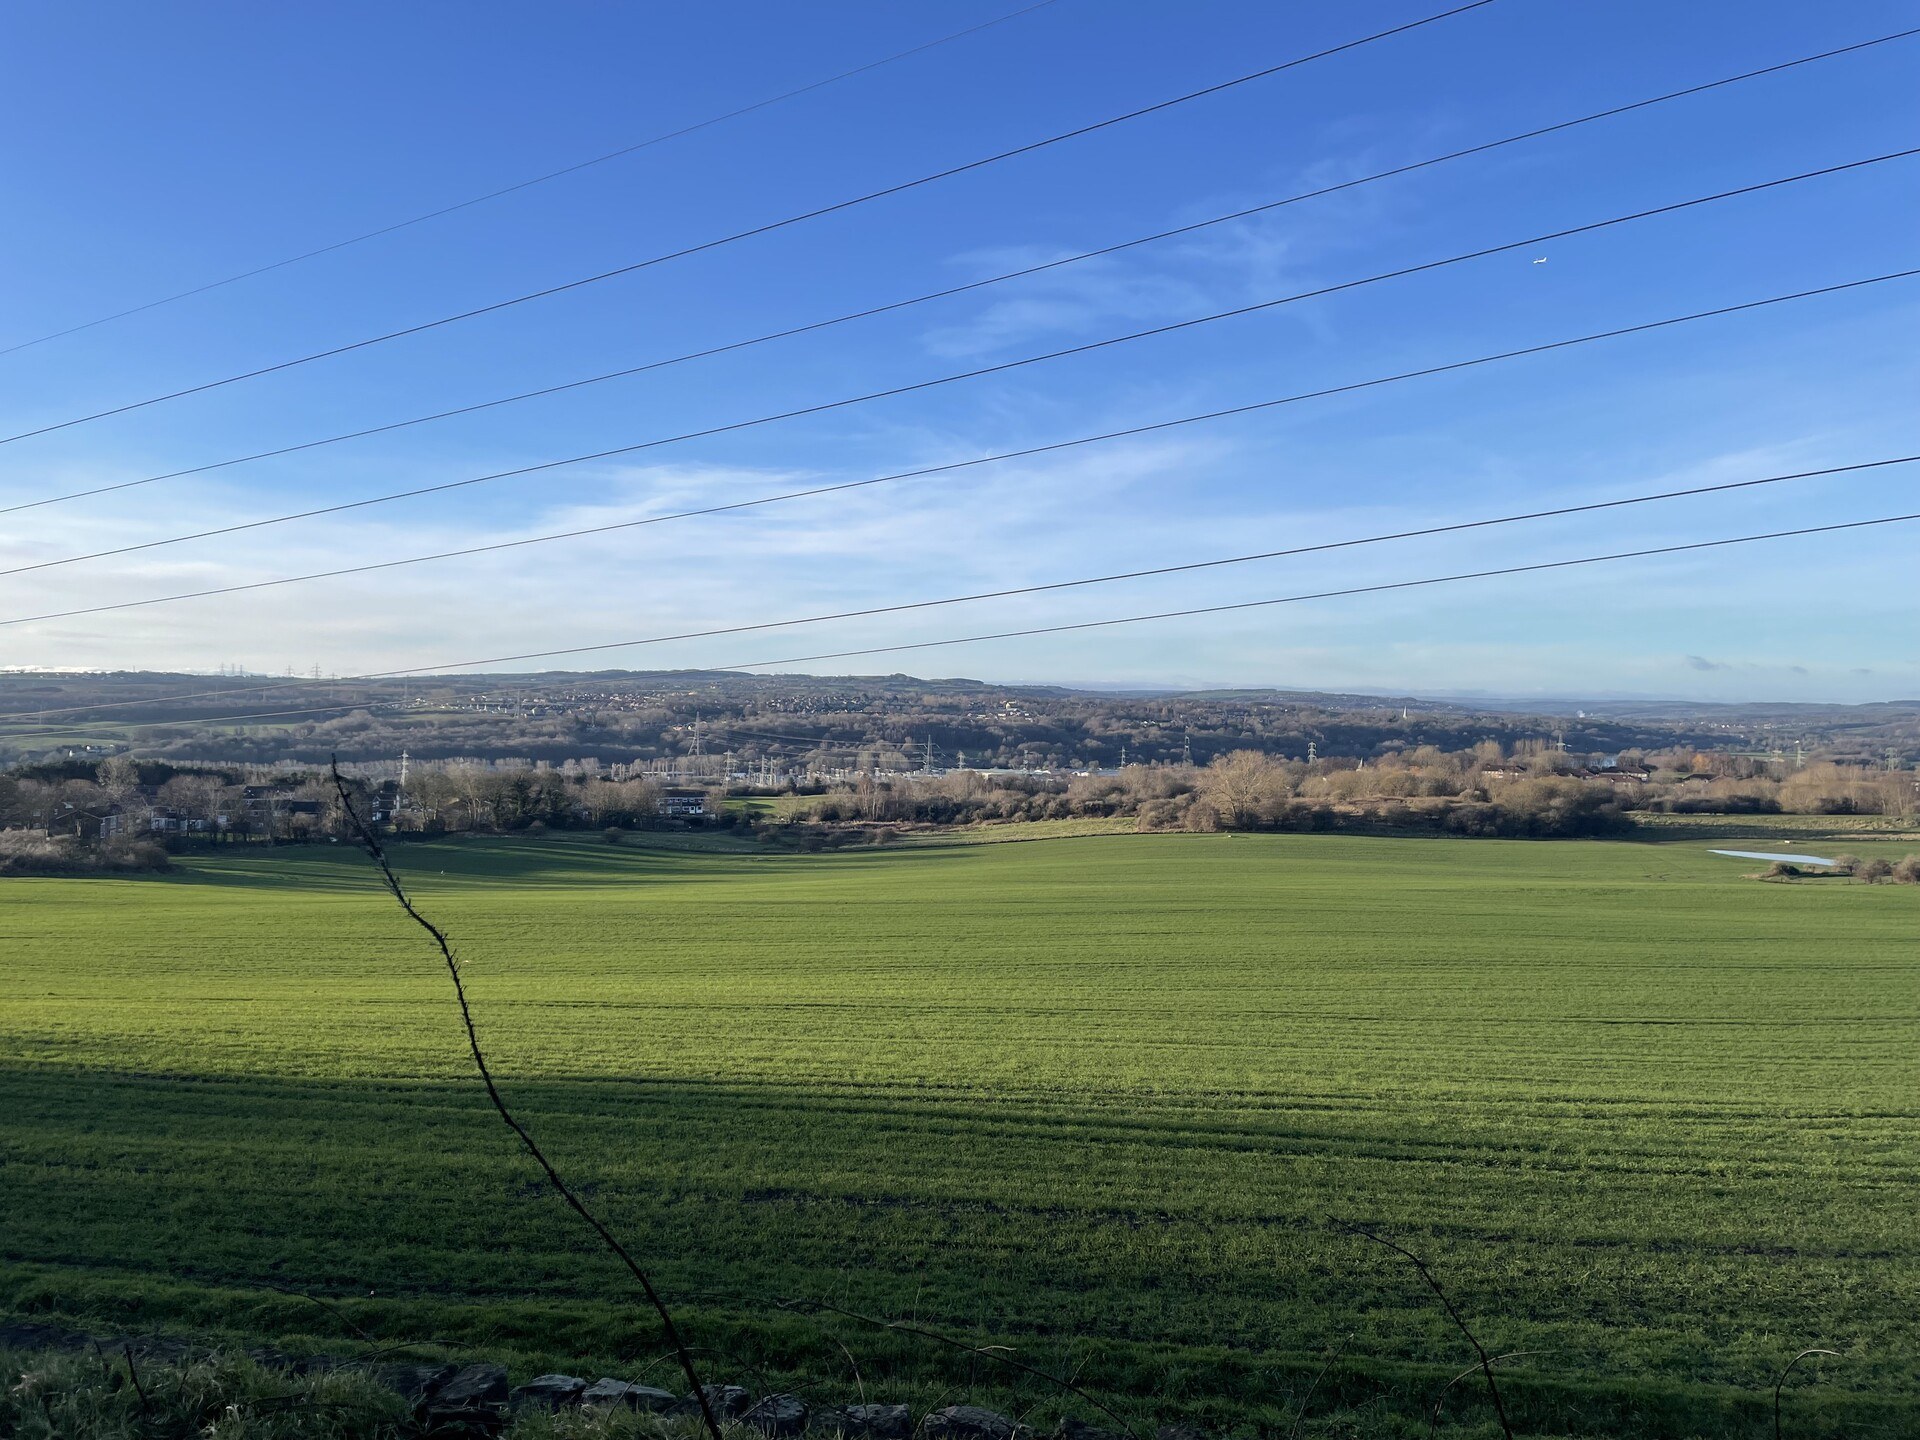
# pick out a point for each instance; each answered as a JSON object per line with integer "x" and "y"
{"x": 1293, "y": 552}
{"x": 981, "y": 371}
{"x": 763, "y": 500}
{"x": 1114, "y": 621}
{"x": 738, "y": 235}
{"x": 818, "y": 742}
{"x": 1341, "y": 594}
{"x": 1185, "y": 567}
{"x": 528, "y": 184}
{"x": 371, "y": 705}
{"x": 971, "y": 286}
{"x": 334, "y": 709}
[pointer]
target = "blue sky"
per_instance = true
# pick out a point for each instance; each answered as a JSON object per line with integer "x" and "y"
{"x": 168, "y": 146}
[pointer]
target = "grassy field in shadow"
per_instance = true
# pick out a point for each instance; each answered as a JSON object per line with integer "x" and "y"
{"x": 1099, "y": 1099}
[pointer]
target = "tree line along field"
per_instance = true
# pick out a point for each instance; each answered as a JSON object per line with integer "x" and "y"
{"x": 1100, "y": 1099}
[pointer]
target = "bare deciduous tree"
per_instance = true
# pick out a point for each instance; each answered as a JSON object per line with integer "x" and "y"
{"x": 1240, "y": 786}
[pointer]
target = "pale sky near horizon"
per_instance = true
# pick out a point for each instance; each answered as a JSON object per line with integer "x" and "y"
{"x": 158, "y": 148}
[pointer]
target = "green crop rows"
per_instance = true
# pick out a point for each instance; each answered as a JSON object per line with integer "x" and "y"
{"x": 1099, "y": 1099}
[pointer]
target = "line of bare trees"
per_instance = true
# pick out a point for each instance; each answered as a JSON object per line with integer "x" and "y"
{"x": 124, "y": 814}
{"x": 1533, "y": 790}
{"x": 116, "y": 809}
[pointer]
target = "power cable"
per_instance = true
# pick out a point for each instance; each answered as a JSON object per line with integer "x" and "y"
{"x": 979, "y": 372}
{"x": 961, "y": 289}
{"x": 338, "y": 705}
{"x": 1426, "y": 581}
{"x": 817, "y": 742}
{"x": 515, "y": 188}
{"x": 1465, "y": 525}
{"x": 1323, "y": 547}
{"x": 1339, "y": 594}
{"x": 738, "y": 235}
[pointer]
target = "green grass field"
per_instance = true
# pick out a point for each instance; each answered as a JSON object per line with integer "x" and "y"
{"x": 1095, "y": 1098}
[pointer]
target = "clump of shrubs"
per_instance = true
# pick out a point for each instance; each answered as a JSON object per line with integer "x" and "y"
{"x": 34, "y": 852}
{"x": 1904, "y": 871}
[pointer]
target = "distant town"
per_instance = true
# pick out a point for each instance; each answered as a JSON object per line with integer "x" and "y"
{"x": 122, "y": 768}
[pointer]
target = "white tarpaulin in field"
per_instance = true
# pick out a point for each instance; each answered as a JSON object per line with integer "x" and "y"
{"x": 1768, "y": 855}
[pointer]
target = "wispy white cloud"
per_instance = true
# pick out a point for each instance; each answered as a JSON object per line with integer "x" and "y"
{"x": 1257, "y": 257}
{"x": 1073, "y": 300}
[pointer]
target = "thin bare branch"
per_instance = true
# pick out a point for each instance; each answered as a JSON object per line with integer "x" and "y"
{"x": 1783, "y": 1380}
{"x": 379, "y": 856}
{"x": 133, "y": 1374}
{"x": 333, "y": 1309}
{"x": 859, "y": 1381}
{"x": 1433, "y": 1425}
{"x": 1334, "y": 1355}
{"x": 400, "y": 1347}
{"x": 1486, "y": 1361}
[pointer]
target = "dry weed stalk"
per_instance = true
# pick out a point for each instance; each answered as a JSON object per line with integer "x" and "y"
{"x": 1433, "y": 1424}
{"x": 133, "y": 1374}
{"x": 560, "y": 1187}
{"x": 1307, "y": 1399}
{"x": 1486, "y": 1361}
{"x": 1777, "y": 1384}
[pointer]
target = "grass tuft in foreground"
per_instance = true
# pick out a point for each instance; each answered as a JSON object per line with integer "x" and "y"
{"x": 226, "y": 1396}
{"x": 96, "y": 1397}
